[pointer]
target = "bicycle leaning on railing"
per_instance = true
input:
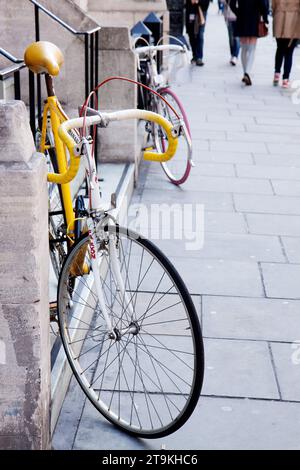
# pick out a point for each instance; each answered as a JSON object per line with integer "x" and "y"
{"x": 127, "y": 321}
{"x": 178, "y": 168}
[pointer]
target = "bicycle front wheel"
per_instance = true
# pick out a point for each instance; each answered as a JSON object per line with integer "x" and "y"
{"x": 146, "y": 380}
{"x": 179, "y": 167}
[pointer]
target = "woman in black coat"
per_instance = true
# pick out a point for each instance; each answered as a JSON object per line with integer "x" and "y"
{"x": 194, "y": 29}
{"x": 249, "y": 14}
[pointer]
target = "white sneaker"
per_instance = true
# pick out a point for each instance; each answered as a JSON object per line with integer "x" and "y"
{"x": 233, "y": 61}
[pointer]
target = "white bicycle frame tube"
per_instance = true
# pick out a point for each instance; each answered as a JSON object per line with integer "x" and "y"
{"x": 96, "y": 271}
{"x": 165, "y": 47}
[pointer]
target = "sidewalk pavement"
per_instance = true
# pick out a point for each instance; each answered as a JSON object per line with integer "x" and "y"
{"x": 246, "y": 280}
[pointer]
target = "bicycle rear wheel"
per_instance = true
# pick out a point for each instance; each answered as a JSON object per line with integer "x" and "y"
{"x": 57, "y": 223}
{"x": 179, "y": 167}
{"x": 148, "y": 380}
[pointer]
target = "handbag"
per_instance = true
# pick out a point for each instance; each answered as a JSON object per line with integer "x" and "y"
{"x": 228, "y": 13}
{"x": 201, "y": 16}
{"x": 199, "y": 20}
{"x": 263, "y": 29}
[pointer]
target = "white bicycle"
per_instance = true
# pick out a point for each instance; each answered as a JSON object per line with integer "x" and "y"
{"x": 127, "y": 321}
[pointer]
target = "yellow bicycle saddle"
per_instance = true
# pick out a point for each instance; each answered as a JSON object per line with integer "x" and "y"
{"x": 43, "y": 57}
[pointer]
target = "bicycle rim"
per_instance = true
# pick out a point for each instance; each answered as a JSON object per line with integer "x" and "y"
{"x": 148, "y": 381}
{"x": 58, "y": 249}
{"x": 178, "y": 168}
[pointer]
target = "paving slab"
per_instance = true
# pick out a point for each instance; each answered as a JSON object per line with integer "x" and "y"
{"x": 217, "y": 423}
{"x": 267, "y": 204}
{"x": 287, "y": 364}
{"x": 267, "y": 224}
{"x": 286, "y": 188}
{"x": 214, "y": 221}
{"x": 224, "y": 222}
{"x": 218, "y": 184}
{"x": 242, "y": 146}
{"x": 250, "y": 318}
{"x": 277, "y": 160}
{"x": 269, "y": 137}
{"x": 224, "y": 247}
{"x": 268, "y": 172}
{"x": 200, "y": 169}
{"x": 70, "y": 417}
{"x": 290, "y": 149}
{"x": 281, "y": 280}
{"x": 213, "y": 201}
{"x": 292, "y": 248}
{"x": 221, "y": 156}
{"x": 284, "y": 129}
{"x": 220, "y": 277}
{"x": 239, "y": 369}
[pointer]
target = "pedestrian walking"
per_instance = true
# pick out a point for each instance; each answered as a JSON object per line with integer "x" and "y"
{"x": 251, "y": 16}
{"x": 234, "y": 41}
{"x": 196, "y": 14}
{"x": 286, "y": 30}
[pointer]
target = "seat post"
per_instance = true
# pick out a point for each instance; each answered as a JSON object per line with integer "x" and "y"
{"x": 49, "y": 85}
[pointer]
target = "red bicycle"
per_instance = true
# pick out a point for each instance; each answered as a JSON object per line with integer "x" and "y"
{"x": 177, "y": 169}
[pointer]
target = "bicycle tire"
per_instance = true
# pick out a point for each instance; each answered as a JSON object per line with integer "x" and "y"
{"x": 131, "y": 399}
{"x": 179, "y": 167}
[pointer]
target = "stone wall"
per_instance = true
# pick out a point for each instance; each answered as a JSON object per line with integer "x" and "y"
{"x": 24, "y": 305}
{"x": 126, "y": 12}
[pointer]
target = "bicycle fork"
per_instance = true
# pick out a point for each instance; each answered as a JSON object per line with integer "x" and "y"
{"x": 113, "y": 331}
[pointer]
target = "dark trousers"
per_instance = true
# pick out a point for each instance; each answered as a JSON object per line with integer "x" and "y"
{"x": 234, "y": 42}
{"x": 197, "y": 40}
{"x": 284, "y": 54}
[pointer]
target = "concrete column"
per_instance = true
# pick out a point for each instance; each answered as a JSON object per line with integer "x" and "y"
{"x": 24, "y": 310}
{"x": 7, "y": 90}
{"x": 126, "y": 13}
{"x": 118, "y": 143}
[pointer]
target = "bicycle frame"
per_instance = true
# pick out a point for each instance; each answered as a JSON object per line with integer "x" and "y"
{"x": 53, "y": 116}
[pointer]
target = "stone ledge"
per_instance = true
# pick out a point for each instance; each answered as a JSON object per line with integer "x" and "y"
{"x": 15, "y": 146}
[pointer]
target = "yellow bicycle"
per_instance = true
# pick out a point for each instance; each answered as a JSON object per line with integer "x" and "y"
{"x": 45, "y": 58}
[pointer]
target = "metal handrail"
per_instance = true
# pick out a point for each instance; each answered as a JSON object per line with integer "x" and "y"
{"x": 12, "y": 70}
{"x": 63, "y": 23}
{"x": 10, "y": 57}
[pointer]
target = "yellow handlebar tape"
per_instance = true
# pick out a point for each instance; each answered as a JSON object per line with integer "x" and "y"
{"x": 71, "y": 173}
{"x": 172, "y": 141}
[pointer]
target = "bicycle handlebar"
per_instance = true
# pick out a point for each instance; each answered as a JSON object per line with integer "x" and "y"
{"x": 103, "y": 119}
{"x": 165, "y": 47}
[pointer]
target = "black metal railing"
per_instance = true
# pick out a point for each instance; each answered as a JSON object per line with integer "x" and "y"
{"x": 12, "y": 70}
{"x": 91, "y": 46}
